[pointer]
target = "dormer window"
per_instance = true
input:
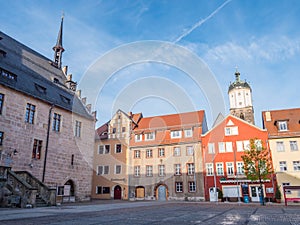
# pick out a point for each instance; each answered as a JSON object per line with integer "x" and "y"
{"x": 176, "y": 134}
{"x": 282, "y": 125}
{"x": 150, "y": 136}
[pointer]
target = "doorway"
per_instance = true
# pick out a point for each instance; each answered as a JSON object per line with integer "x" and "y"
{"x": 161, "y": 193}
{"x": 117, "y": 192}
{"x": 255, "y": 193}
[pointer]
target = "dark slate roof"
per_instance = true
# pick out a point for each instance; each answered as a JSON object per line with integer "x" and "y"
{"x": 238, "y": 83}
{"x": 35, "y": 76}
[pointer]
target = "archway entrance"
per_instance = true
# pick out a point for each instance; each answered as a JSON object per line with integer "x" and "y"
{"x": 117, "y": 192}
{"x": 68, "y": 191}
{"x": 140, "y": 192}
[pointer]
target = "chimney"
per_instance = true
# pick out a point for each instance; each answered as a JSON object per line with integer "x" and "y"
{"x": 268, "y": 116}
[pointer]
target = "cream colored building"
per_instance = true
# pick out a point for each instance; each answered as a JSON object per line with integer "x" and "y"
{"x": 284, "y": 139}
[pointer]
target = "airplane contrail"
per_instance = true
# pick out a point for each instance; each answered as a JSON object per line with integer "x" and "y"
{"x": 199, "y": 23}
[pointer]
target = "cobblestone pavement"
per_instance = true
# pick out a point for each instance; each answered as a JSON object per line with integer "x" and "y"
{"x": 154, "y": 213}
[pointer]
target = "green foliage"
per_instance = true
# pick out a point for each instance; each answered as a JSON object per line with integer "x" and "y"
{"x": 220, "y": 194}
{"x": 257, "y": 161}
{"x": 278, "y": 193}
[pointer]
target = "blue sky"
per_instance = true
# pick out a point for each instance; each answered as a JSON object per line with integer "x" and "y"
{"x": 260, "y": 37}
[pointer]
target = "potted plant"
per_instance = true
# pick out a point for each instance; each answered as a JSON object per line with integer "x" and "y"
{"x": 278, "y": 195}
{"x": 220, "y": 195}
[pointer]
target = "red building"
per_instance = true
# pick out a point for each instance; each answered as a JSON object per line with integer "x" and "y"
{"x": 223, "y": 147}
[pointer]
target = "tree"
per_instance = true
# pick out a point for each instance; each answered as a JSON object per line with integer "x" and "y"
{"x": 257, "y": 163}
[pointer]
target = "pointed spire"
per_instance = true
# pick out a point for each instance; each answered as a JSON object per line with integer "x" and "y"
{"x": 58, "y": 48}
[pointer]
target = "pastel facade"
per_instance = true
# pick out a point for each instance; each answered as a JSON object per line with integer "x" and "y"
{"x": 284, "y": 138}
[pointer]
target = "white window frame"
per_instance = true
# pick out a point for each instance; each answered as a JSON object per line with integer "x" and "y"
{"x": 246, "y": 144}
{"x": 230, "y": 168}
{"x": 293, "y": 146}
{"x": 149, "y": 153}
{"x": 282, "y": 126}
{"x": 189, "y": 150}
{"x": 282, "y": 166}
{"x": 222, "y": 147}
{"x": 137, "y": 171}
{"x": 138, "y": 137}
{"x": 161, "y": 170}
{"x": 177, "y": 151}
{"x": 230, "y": 131}
{"x": 239, "y": 146}
{"x": 209, "y": 169}
{"x": 220, "y": 169}
{"x": 240, "y": 168}
{"x": 177, "y": 168}
{"x": 229, "y": 147}
{"x": 150, "y": 136}
{"x": 116, "y": 148}
{"x": 296, "y": 165}
{"x": 190, "y": 168}
{"x": 118, "y": 169}
{"x": 176, "y": 133}
{"x": 161, "y": 152}
{"x": 188, "y": 132}
{"x": 149, "y": 171}
{"x": 137, "y": 154}
{"x": 178, "y": 187}
{"x": 211, "y": 148}
{"x": 192, "y": 186}
{"x": 280, "y": 146}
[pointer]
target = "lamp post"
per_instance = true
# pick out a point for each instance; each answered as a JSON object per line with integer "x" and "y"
{"x": 47, "y": 142}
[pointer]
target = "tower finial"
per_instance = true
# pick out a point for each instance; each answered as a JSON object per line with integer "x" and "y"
{"x": 58, "y": 48}
{"x": 237, "y": 75}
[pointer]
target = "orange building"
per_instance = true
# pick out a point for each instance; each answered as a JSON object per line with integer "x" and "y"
{"x": 223, "y": 166}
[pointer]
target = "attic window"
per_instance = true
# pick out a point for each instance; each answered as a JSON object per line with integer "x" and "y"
{"x": 65, "y": 99}
{"x": 55, "y": 80}
{"x": 40, "y": 88}
{"x": 8, "y": 75}
{"x": 282, "y": 125}
{"x": 2, "y": 52}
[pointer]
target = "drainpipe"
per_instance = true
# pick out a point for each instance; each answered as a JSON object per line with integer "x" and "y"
{"x": 47, "y": 142}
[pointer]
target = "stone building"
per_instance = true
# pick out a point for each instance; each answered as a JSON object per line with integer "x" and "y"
{"x": 46, "y": 128}
{"x": 240, "y": 99}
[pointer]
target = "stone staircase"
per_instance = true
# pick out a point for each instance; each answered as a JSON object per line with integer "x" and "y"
{"x": 21, "y": 189}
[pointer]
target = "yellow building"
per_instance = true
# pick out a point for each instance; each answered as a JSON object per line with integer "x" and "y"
{"x": 284, "y": 138}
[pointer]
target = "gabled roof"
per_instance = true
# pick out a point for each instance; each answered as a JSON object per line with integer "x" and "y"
{"x": 292, "y": 116}
{"x": 172, "y": 121}
{"x": 230, "y": 117}
{"x": 35, "y": 76}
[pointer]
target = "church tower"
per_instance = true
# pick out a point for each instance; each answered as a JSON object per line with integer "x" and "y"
{"x": 240, "y": 99}
{"x": 58, "y": 48}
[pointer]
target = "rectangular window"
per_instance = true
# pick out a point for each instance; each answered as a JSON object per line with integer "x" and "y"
{"x": 138, "y": 137}
{"x": 137, "y": 171}
{"x": 98, "y": 190}
{"x": 77, "y": 132}
{"x": 161, "y": 170}
{"x": 161, "y": 152}
{"x": 240, "y": 168}
{"x": 176, "y": 134}
{"x": 280, "y": 146}
{"x": 177, "y": 151}
{"x": 1, "y": 102}
{"x": 282, "y": 166}
{"x": 56, "y": 122}
{"x": 209, "y": 169}
{"x": 114, "y": 130}
{"x": 211, "y": 148}
{"x": 220, "y": 170}
{"x": 118, "y": 169}
{"x": 106, "y": 169}
{"x": 118, "y": 148}
{"x": 222, "y": 147}
{"x": 8, "y": 75}
{"x": 1, "y": 138}
{"x": 107, "y": 149}
{"x": 137, "y": 154}
{"x": 149, "y": 171}
{"x": 230, "y": 168}
{"x": 105, "y": 190}
{"x": 258, "y": 144}
{"x": 177, "y": 169}
{"x": 100, "y": 149}
{"x": 149, "y": 153}
{"x": 29, "y": 115}
{"x": 99, "y": 170}
{"x": 178, "y": 187}
{"x": 293, "y": 145}
{"x": 188, "y": 132}
{"x": 72, "y": 159}
{"x": 190, "y": 168}
{"x": 229, "y": 131}
{"x": 189, "y": 150}
{"x": 296, "y": 165}
{"x": 37, "y": 149}
{"x": 287, "y": 191}
{"x": 192, "y": 186}
{"x": 246, "y": 145}
{"x": 229, "y": 147}
{"x": 282, "y": 125}
{"x": 149, "y": 136}
{"x": 239, "y": 146}
{"x": 123, "y": 129}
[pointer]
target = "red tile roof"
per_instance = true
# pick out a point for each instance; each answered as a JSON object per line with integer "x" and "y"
{"x": 292, "y": 116}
